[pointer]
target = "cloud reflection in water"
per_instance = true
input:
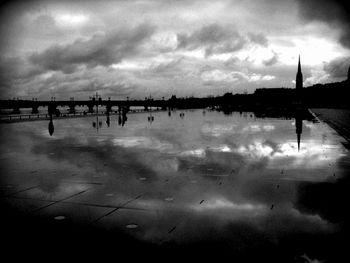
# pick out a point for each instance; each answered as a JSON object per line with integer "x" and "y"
{"x": 205, "y": 170}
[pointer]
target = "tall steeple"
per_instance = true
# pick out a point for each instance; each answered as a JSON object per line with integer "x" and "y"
{"x": 299, "y": 77}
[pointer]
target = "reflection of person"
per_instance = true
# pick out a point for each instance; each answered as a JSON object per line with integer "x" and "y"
{"x": 51, "y": 127}
{"x": 122, "y": 118}
{"x": 150, "y": 119}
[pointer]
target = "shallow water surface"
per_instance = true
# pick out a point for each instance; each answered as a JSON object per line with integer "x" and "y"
{"x": 204, "y": 176}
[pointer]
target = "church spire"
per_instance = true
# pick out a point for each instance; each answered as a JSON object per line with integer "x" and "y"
{"x": 299, "y": 77}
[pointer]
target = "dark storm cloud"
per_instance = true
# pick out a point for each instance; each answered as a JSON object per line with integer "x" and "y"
{"x": 90, "y": 86}
{"x": 83, "y": 84}
{"x": 15, "y": 69}
{"x": 168, "y": 66}
{"x": 120, "y": 89}
{"x": 9, "y": 13}
{"x": 46, "y": 27}
{"x": 271, "y": 61}
{"x": 258, "y": 39}
{"x": 218, "y": 39}
{"x": 333, "y": 12}
{"x": 100, "y": 49}
{"x": 338, "y": 67}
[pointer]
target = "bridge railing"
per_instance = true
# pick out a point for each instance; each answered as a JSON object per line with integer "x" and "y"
{"x": 39, "y": 116}
{"x": 43, "y": 116}
{"x": 23, "y": 117}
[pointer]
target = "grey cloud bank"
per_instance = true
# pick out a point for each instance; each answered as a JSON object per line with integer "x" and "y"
{"x": 336, "y": 13}
{"x": 102, "y": 50}
{"x": 218, "y": 39}
{"x": 338, "y": 67}
{"x": 184, "y": 48}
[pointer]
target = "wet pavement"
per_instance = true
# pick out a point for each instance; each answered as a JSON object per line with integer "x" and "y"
{"x": 338, "y": 119}
{"x": 203, "y": 182}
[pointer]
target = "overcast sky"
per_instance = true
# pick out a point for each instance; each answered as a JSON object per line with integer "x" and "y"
{"x": 163, "y": 47}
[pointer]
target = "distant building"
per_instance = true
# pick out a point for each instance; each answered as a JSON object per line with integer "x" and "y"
{"x": 299, "y": 77}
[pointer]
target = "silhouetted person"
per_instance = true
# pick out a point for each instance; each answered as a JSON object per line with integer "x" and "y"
{"x": 51, "y": 126}
{"x": 108, "y": 121}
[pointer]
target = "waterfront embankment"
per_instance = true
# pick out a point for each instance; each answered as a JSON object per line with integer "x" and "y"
{"x": 338, "y": 119}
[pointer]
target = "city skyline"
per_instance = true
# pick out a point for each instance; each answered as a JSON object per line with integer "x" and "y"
{"x": 187, "y": 48}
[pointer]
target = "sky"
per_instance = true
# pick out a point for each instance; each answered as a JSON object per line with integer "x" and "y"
{"x": 140, "y": 48}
